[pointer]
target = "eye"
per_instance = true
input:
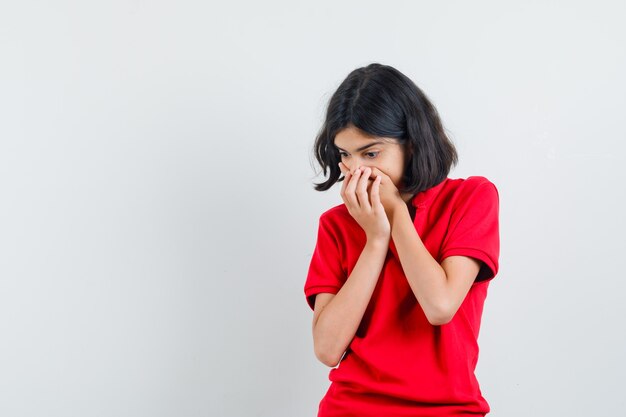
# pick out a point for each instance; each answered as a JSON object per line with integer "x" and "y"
{"x": 342, "y": 154}
{"x": 372, "y": 153}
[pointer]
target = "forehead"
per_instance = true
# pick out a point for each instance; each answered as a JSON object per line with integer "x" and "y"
{"x": 352, "y": 137}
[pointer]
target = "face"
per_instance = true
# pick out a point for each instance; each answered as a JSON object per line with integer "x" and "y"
{"x": 358, "y": 150}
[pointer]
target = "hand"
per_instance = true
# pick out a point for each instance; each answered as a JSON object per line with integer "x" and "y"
{"x": 390, "y": 197}
{"x": 363, "y": 203}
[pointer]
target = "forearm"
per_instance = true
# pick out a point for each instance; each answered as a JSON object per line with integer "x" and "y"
{"x": 426, "y": 277}
{"x": 339, "y": 320}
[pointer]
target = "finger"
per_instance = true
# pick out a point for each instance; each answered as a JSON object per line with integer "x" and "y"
{"x": 376, "y": 172}
{"x": 346, "y": 179}
{"x": 350, "y": 189}
{"x": 343, "y": 168}
{"x": 376, "y": 192}
{"x": 362, "y": 189}
{"x": 344, "y": 190}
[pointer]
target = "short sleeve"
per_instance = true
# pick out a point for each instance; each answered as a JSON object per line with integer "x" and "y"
{"x": 474, "y": 229}
{"x": 326, "y": 273}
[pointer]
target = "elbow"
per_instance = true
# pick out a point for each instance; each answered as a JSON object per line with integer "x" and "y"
{"x": 328, "y": 360}
{"x": 327, "y": 356}
{"x": 439, "y": 321}
{"x": 440, "y": 316}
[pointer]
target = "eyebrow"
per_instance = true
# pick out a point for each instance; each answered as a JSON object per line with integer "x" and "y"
{"x": 363, "y": 147}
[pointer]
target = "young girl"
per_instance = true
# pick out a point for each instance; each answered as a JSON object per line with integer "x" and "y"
{"x": 400, "y": 270}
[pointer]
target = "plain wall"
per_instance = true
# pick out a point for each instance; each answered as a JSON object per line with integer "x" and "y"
{"x": 157, "y": 215}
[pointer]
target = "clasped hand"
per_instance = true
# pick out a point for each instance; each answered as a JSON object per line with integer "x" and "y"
{"x": 371, "y": 198}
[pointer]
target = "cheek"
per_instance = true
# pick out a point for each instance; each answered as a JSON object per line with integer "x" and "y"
{"x": 396, "y": 175}
{"x": 385, "y": 171}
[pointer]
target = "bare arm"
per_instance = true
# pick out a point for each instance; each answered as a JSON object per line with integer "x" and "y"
{"x": 439, "y": 289}
{"x": 337, "y": 316}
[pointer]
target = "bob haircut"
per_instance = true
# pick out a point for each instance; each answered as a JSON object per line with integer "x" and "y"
{"x": 382, "y": 102}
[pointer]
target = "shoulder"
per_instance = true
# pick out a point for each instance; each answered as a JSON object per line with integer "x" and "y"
{"x": 475, "y": 181}
{"x": 338, "y": 221}
{"x": 473, "y": 191}
{"x": 472, "y": 185}
{"x": 338, "y": 215}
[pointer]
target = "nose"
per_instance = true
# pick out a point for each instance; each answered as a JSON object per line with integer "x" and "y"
{"x": 354, "y": 165}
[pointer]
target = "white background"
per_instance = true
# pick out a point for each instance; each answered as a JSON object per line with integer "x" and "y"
{"x": 157, "y": 215}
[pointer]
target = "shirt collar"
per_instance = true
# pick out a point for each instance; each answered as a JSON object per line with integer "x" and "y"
{"x": 423, "y": 198}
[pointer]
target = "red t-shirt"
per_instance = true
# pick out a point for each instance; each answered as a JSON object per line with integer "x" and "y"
{"x": 398, "y": 364}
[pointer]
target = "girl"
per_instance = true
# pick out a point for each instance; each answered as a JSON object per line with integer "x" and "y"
{"x": 400, "y": 270}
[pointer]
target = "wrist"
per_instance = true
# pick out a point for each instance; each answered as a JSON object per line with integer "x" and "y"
{"x": 397, "y": 209}
{"x": 378, "y": 242}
